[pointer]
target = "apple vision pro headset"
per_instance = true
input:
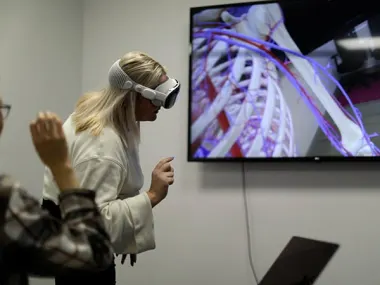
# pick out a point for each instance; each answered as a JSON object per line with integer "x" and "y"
{"x": 165, "y": 95}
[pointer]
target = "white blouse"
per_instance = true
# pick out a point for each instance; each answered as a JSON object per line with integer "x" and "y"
{"x": 106, "y": 165}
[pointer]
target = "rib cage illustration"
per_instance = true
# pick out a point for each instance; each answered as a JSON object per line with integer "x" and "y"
{"x": 241, "y": 108}
{"x": 238, "y": 108}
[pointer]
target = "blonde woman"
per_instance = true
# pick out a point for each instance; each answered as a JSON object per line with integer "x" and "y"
{"x": 103, "y": 136}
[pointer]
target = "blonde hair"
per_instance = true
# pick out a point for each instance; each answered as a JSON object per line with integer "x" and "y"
{"x": 115, "y": 107}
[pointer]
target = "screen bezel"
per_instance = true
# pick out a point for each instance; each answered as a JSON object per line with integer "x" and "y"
{"x": 190, "y": 158}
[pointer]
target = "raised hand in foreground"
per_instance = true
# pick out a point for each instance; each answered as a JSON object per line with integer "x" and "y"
{"x": 35, "y": 242}
{"x": 51, "y": 146}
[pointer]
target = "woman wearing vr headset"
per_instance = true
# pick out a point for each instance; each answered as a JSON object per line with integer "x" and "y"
{"x": 103, "y": 135}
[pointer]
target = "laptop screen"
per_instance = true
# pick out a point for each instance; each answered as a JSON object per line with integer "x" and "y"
{"x": 300, "y": 263}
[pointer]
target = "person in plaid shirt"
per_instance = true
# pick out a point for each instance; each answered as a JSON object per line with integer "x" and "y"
{"x": 32, "y": 242}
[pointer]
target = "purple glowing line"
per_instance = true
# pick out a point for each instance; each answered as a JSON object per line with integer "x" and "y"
{"x": 318, "y": 75}
{"x": 275, "y": 46}
{"x": 311, "y": 106}
{"x": 202, "y": 24}
{"x": 335, "y": 142}
{"x": 291, "y": 79}
{"x": 355, "y": 111}
{"x": 314, "y": 63}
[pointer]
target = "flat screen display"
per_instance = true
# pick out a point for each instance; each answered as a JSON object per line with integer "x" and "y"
{"x": 285, "y": 80}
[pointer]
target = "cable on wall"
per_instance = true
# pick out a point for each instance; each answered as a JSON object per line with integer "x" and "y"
{"x": 248, "y": 227}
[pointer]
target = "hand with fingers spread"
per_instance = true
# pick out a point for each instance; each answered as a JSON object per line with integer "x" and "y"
{"x": 162, "y": 178}
{"x": 49, "y": 139}
{"x": 51, "y": 146}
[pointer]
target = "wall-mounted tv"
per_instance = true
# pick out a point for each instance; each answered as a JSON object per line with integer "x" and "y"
{"x": 287, "y": 80}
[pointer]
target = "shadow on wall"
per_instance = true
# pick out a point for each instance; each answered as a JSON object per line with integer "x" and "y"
{"x": 303, "y": 176}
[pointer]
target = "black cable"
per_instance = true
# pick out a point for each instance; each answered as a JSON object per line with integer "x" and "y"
{"x": 248, "y": 224}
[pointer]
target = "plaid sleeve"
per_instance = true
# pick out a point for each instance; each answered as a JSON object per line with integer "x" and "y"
{"x": 79, "y": 241}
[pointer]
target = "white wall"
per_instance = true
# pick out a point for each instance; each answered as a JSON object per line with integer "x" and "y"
{"x": 200, "y": 230}
{"x": 40, "y": 69}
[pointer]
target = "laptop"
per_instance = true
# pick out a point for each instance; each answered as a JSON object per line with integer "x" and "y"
{"x": 300, "y": 262}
